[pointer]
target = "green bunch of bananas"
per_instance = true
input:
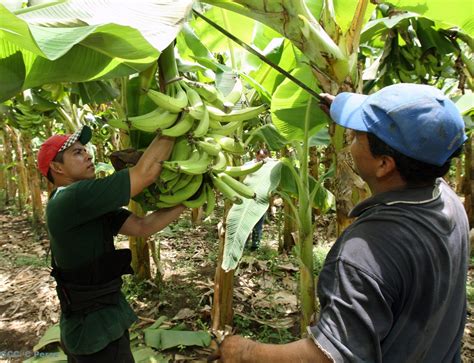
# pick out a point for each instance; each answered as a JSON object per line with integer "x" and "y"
{"x": 25, "y": 118}
{"x": 203, "y": 121}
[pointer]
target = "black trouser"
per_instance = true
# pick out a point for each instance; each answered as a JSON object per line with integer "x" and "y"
{"x": 117, "y": 351}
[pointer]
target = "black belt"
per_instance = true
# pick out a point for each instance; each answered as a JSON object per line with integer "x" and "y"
{"x": 94, "y": 286}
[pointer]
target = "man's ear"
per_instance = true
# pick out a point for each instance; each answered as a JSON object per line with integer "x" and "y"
{"x": 57, "y": 167}
{"x": 386, "y": 166}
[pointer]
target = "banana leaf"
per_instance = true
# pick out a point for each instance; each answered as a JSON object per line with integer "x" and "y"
{"x": 269, "y": 135}
{"x": 51, "y": 336}
{"x": 455, "y": 13}
{"x": 465, "y": 102}
{"x": 148, "y": 355}
{"x": 82, "y": 40}
{"x": 242, "y": 217}
{"x": 289, "y": 104}
{"x": 323, "y": 198}
{"x": 162, "y": 339}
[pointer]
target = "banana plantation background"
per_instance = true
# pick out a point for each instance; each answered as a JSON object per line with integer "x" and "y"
{"x": 226, "y": 78}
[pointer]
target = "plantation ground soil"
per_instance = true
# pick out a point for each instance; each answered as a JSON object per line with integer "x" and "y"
{"x": 28, "y": 304}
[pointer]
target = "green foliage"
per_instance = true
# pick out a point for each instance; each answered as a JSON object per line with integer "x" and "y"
{"x": 34, "y": 57}
{"x": 319, "y": 256}
{"x": 263, "y": 333}
{"x": 243, "y": 217}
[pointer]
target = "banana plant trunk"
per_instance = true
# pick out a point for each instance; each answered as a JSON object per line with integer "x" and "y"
{"x": 222, "y": 311}
{"x": 34, "y": 181}
{"x": 20, "y": 168}
{"x": 10, "y": 190}
{"x": 139, "y": 248}
{"x": 468, "y": 185}
{"x": 138, "y": 245}
{"x": 3, "y": 173}
{"x": 289, "y": 228}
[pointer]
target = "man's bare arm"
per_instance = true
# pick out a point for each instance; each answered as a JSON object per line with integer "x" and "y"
{"x": 149, "y": 167}
{"x": 152, "y": 223}
{"x": 236, "y": 349}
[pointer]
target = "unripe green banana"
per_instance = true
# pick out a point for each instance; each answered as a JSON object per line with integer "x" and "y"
{"x": 230, "y": 144}
{"x": 119, "y": 124}
{"x": 167, "y": 175}
{"x": 172, "y": 164}
{"x": 405, "y": 76}
{"x": 235, "y": 115}
{"x": 211, "y": 147}
{"x": 152, "y": 121}
{"x": 199, "y": 200}
{"x": 182, "y": 126}
{"x": 183, "y": 181}
{"x": 410, "y": 58}
{"x": 203, "y": 125}
{"x": 191, "y": 166}
{"x": 226, "y": 190}
{"x": 227, "y": 129}
{"x": 220, "y": 163}
{"x": 166, "y": 187}
{"x": 242, "y": 170}
{"x": 210, "y": 93}
{"x": 244, "y": 190}
{"x": 235, "y": 93}
{"x": 162, "y": 205}
{"x": 182, "y": 149}
{"x": 173, "y": 104}
{"x": 184, "y": 193}
{"x": 194, "y": 99}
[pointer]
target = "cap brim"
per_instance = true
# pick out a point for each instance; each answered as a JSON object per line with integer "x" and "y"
{"x": 83, "y": 135}
{"x": 346, "y": 111}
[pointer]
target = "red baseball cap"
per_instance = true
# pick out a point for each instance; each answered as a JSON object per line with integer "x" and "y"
{"x": 57, "y": 143}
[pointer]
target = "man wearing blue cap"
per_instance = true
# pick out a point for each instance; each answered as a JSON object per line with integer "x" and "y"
{"x": 83, "y": 215}
{"x": 392, "y": 288}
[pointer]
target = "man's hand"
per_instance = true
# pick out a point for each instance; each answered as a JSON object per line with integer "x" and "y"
{"x": 325, "y": 103}
{"x": 127, "y": 158}
{"x": 234, "y": 349}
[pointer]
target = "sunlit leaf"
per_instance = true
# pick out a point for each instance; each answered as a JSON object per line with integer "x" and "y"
{"x": 243, "y": 217}
{"x": 289, "y": 105}
{"x": 81, "y": 40}
{"x": 453, "y": 13}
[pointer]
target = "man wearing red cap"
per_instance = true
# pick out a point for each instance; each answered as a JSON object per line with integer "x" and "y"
{"x": 83, "y": 215}
{"x": 393, "y": 286}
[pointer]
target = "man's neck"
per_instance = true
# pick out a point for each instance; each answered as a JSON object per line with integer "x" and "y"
{"x": 388, "y": 185}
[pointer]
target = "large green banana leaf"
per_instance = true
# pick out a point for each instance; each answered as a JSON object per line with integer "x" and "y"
{"x": 454, "y": 13}
{"x": 243, "y": 217}
{"x": 289, "y": 105}
{"x": 81, "y": 40}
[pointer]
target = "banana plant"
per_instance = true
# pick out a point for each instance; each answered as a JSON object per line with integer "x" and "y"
{"x": 77, "y": 40}
{"x": 328, "y": 34}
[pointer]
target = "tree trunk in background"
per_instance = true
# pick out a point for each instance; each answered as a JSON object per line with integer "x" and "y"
{"x": 313, "y": 167}
{"x": 33, "y": 179}
{"x": 468, "y": 185}
{"x": 22, "y": 173}
{"x": 3, "y": 171}
{"x": 289, "y": 228}
{"x": 222, "y": 312}
{"x": 10, "y": 191}
{"x": 139, "y": 248}
{"x": 459, "y": 175}
{"x": 20, "y": 168}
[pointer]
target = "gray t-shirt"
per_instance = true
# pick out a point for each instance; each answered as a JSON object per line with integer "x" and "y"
{"x": 392, "y": 288}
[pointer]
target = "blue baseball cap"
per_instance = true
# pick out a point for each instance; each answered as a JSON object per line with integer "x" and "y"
{"x": 418, "y": 121}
